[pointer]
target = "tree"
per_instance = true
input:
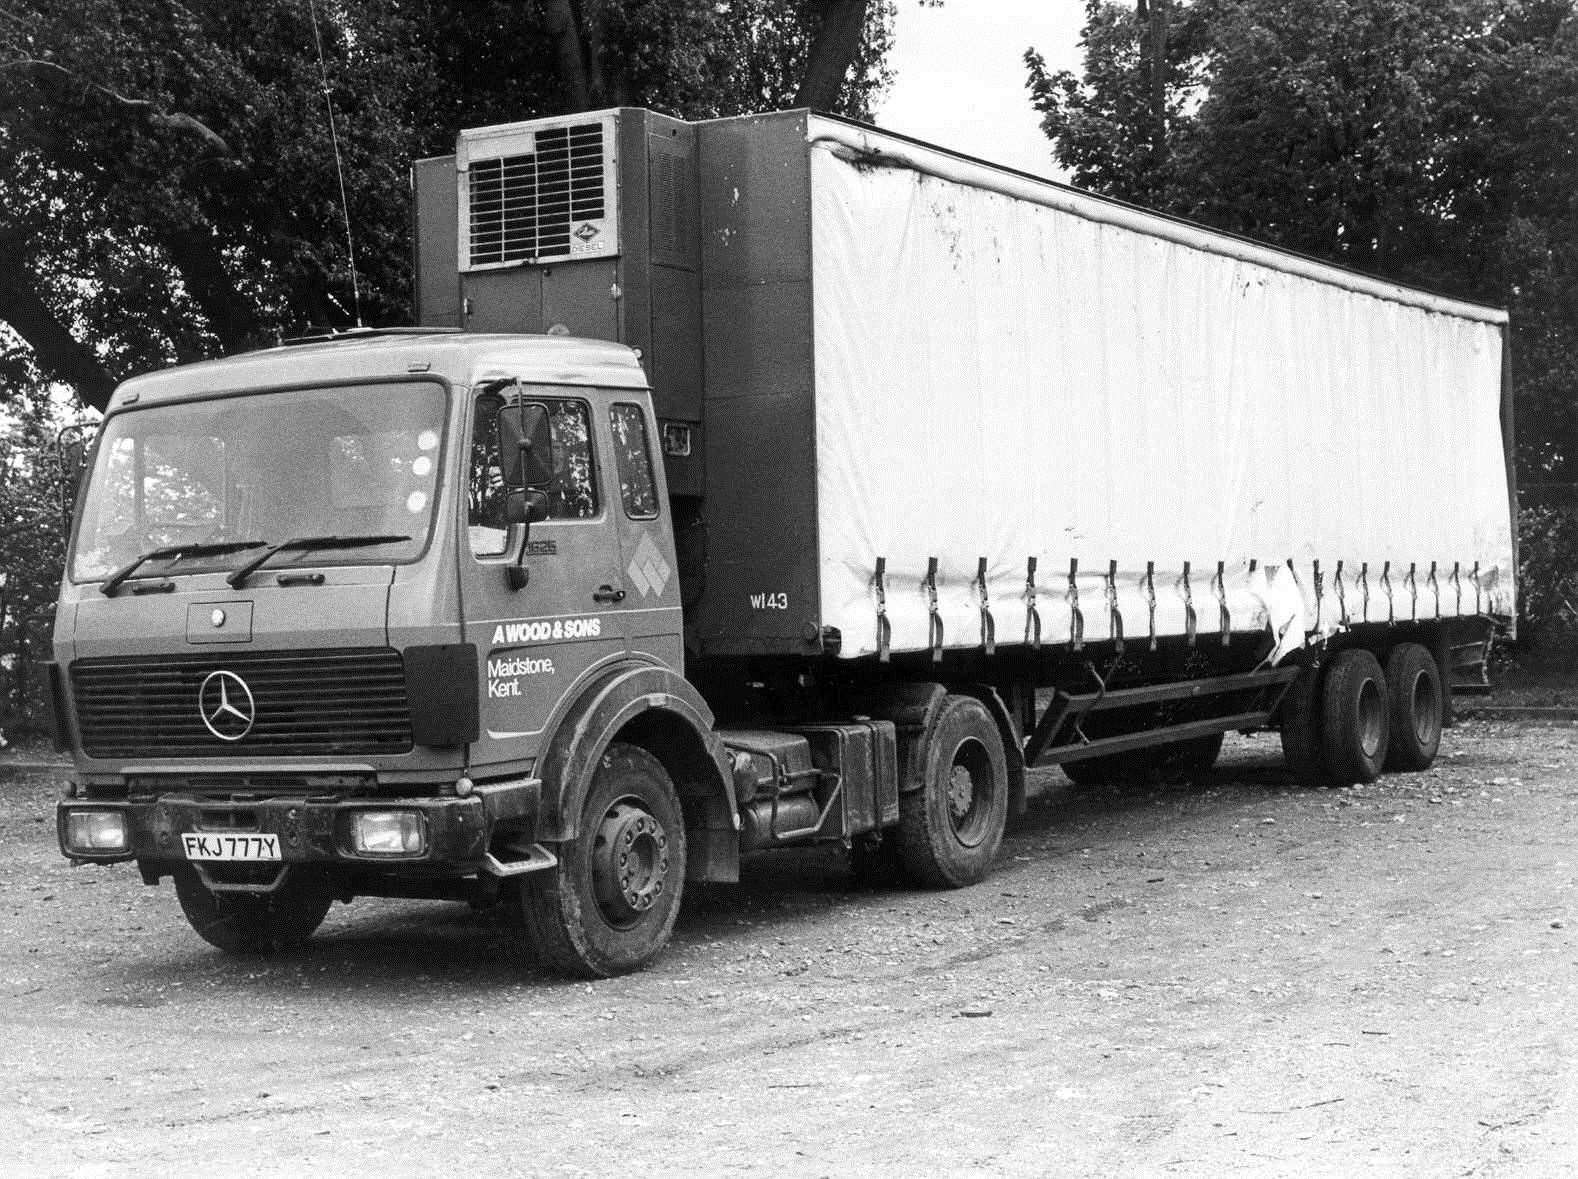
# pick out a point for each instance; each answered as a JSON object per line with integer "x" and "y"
{"x": 33, "y": 496}
{"x": 1427, "y": 141}
{"x": 168, "y": 186}
{"x": 1115, "y": 127}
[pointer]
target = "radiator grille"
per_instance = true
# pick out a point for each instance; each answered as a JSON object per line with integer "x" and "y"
{"x": 533, "y": 205}
{"x": 306, "y": 702}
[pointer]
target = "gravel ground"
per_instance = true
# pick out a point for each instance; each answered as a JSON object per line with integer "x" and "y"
{"x": 1236, "y": 977}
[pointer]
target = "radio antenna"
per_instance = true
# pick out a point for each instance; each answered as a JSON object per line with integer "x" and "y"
{"x": 339, "y": 167}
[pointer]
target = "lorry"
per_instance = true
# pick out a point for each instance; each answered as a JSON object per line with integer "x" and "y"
{"x": 753, "y": 483}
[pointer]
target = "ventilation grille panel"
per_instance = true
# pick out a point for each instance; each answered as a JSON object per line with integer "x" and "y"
{"x": 548, "y": 202}
{"x": 672, "y": 196}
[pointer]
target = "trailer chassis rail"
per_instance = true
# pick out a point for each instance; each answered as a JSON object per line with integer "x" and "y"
{"x": 1243, "y": 701}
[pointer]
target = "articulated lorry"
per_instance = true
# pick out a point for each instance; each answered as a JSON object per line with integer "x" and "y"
{"x": 754, "y": 483}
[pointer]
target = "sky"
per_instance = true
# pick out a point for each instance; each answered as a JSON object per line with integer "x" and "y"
{"x": 961, "y": 75}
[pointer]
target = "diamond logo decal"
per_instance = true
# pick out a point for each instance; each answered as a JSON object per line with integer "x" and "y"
{"x": 587, "y": 231}
{"x": 648, "y": 570}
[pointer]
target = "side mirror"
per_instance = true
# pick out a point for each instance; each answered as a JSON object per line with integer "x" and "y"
{"x": 525, "y": 446}
{"x": 525, "y": 507}
{"x": 71, "y": 454}
{"x": 526, "y": 453}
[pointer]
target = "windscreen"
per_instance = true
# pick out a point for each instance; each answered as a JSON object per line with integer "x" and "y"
{"x": 346, "y": 461}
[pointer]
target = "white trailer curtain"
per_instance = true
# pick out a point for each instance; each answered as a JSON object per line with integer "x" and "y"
{"x": 1000, "y": 379}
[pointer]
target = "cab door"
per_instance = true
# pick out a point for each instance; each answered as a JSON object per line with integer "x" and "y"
{"x": 537, "y": 643}
{"x": 653, "y": 615}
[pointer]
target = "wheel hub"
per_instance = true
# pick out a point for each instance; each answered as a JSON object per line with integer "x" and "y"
{"x": 1372, "y": 719}
{"x": 629, "y": 861}
{"x": 961, "y": 793}
{"x": 1426, "y": 706}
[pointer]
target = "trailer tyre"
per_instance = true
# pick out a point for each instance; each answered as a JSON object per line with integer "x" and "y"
{"x": 1301, "y": 728}
{"x": 1413, "y": 689}
{"x": 609, "y": 905}
{"x": 1107, "y": 770}
{"x": 1186, "y": 761}
{"x": 875, "y": 861}
{"x": 251, "y": 922}
{"x": 950, "y": 828}
{"x": 1189, "y": 760}
{"x": 1355, "y": 718}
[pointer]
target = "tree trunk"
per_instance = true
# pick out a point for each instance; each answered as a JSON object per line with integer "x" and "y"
{"x": 57, "y": 351}
{"x": 1155, "y": 56}
{"x": 832, "y": 53}
{"x": 231, "y": 317}
{"x": 577, "y": 38}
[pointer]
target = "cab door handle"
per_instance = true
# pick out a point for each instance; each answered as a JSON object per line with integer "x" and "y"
{"x": 607, "y": 593}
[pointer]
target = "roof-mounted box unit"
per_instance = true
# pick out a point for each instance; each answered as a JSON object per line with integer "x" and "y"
{"x": 532, "y": 193}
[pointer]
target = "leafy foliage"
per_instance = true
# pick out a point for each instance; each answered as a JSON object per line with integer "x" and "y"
{"x": 168, "y": 188}
{"x": 167, "y": 180}
{"x": 1548, "y": 573}
{"x": 1431, "y": 142}
{"x": 33, "y": 499}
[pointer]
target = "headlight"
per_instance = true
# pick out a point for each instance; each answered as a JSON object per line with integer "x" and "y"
{"x": 388, "y": 833}
{"x": 95, "y": 832}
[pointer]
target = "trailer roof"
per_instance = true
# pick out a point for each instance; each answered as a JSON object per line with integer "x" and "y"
{"x": 875, "y": 147}
{"x": 461, "y": 358}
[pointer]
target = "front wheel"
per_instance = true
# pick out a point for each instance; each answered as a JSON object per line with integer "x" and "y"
{"x": 255, "y": 922}
{"x": 609, "y": 905}
{"x": 950, "y": 829}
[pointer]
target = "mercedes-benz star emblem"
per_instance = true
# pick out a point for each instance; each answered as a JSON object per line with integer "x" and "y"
{"x": 225, "y": 703}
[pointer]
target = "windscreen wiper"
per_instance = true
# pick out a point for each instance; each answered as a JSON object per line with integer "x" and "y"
{"x": 304, "y": 544}
{"x": 174, "y": 552}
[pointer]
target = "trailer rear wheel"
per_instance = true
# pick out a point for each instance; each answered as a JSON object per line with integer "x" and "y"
{"x": 1106, "y": 770}
{"x": 875, "y": 861}
{"x": 1355, "y": 718}
{"x": 1413, "y": 688}
{"x": 255, "y": 922}
{"x": 1189, "y": 760}
{"x": 950, "y": 829}
{"x": 608, "y": 906}
{"x": 1301, "y": 728}
{"x": 1180, "y": 761}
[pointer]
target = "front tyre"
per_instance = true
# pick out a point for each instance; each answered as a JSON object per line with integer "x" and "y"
{"x": 950, "y": 829}
{"x": 253, "y": 922}
{"x": 609, "y": 905}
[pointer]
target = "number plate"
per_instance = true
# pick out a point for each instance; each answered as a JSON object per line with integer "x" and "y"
{"x": 230, "y": 847}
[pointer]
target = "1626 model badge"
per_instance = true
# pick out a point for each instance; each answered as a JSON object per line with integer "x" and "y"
{"x": 225, "y": 703}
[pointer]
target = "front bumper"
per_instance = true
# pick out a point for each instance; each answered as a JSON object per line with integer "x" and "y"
{"x": 311, "y": 830}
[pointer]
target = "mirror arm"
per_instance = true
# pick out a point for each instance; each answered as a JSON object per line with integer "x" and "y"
{"x": 516, "y": 572}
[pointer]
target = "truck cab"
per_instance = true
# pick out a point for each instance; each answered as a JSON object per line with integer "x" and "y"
{"x": 318, "y": 637}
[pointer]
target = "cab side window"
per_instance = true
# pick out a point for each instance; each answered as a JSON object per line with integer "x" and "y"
{"x": 572, "y": 492}
{"x": 485, "y": 483}
{"x": 637, "y": 486}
